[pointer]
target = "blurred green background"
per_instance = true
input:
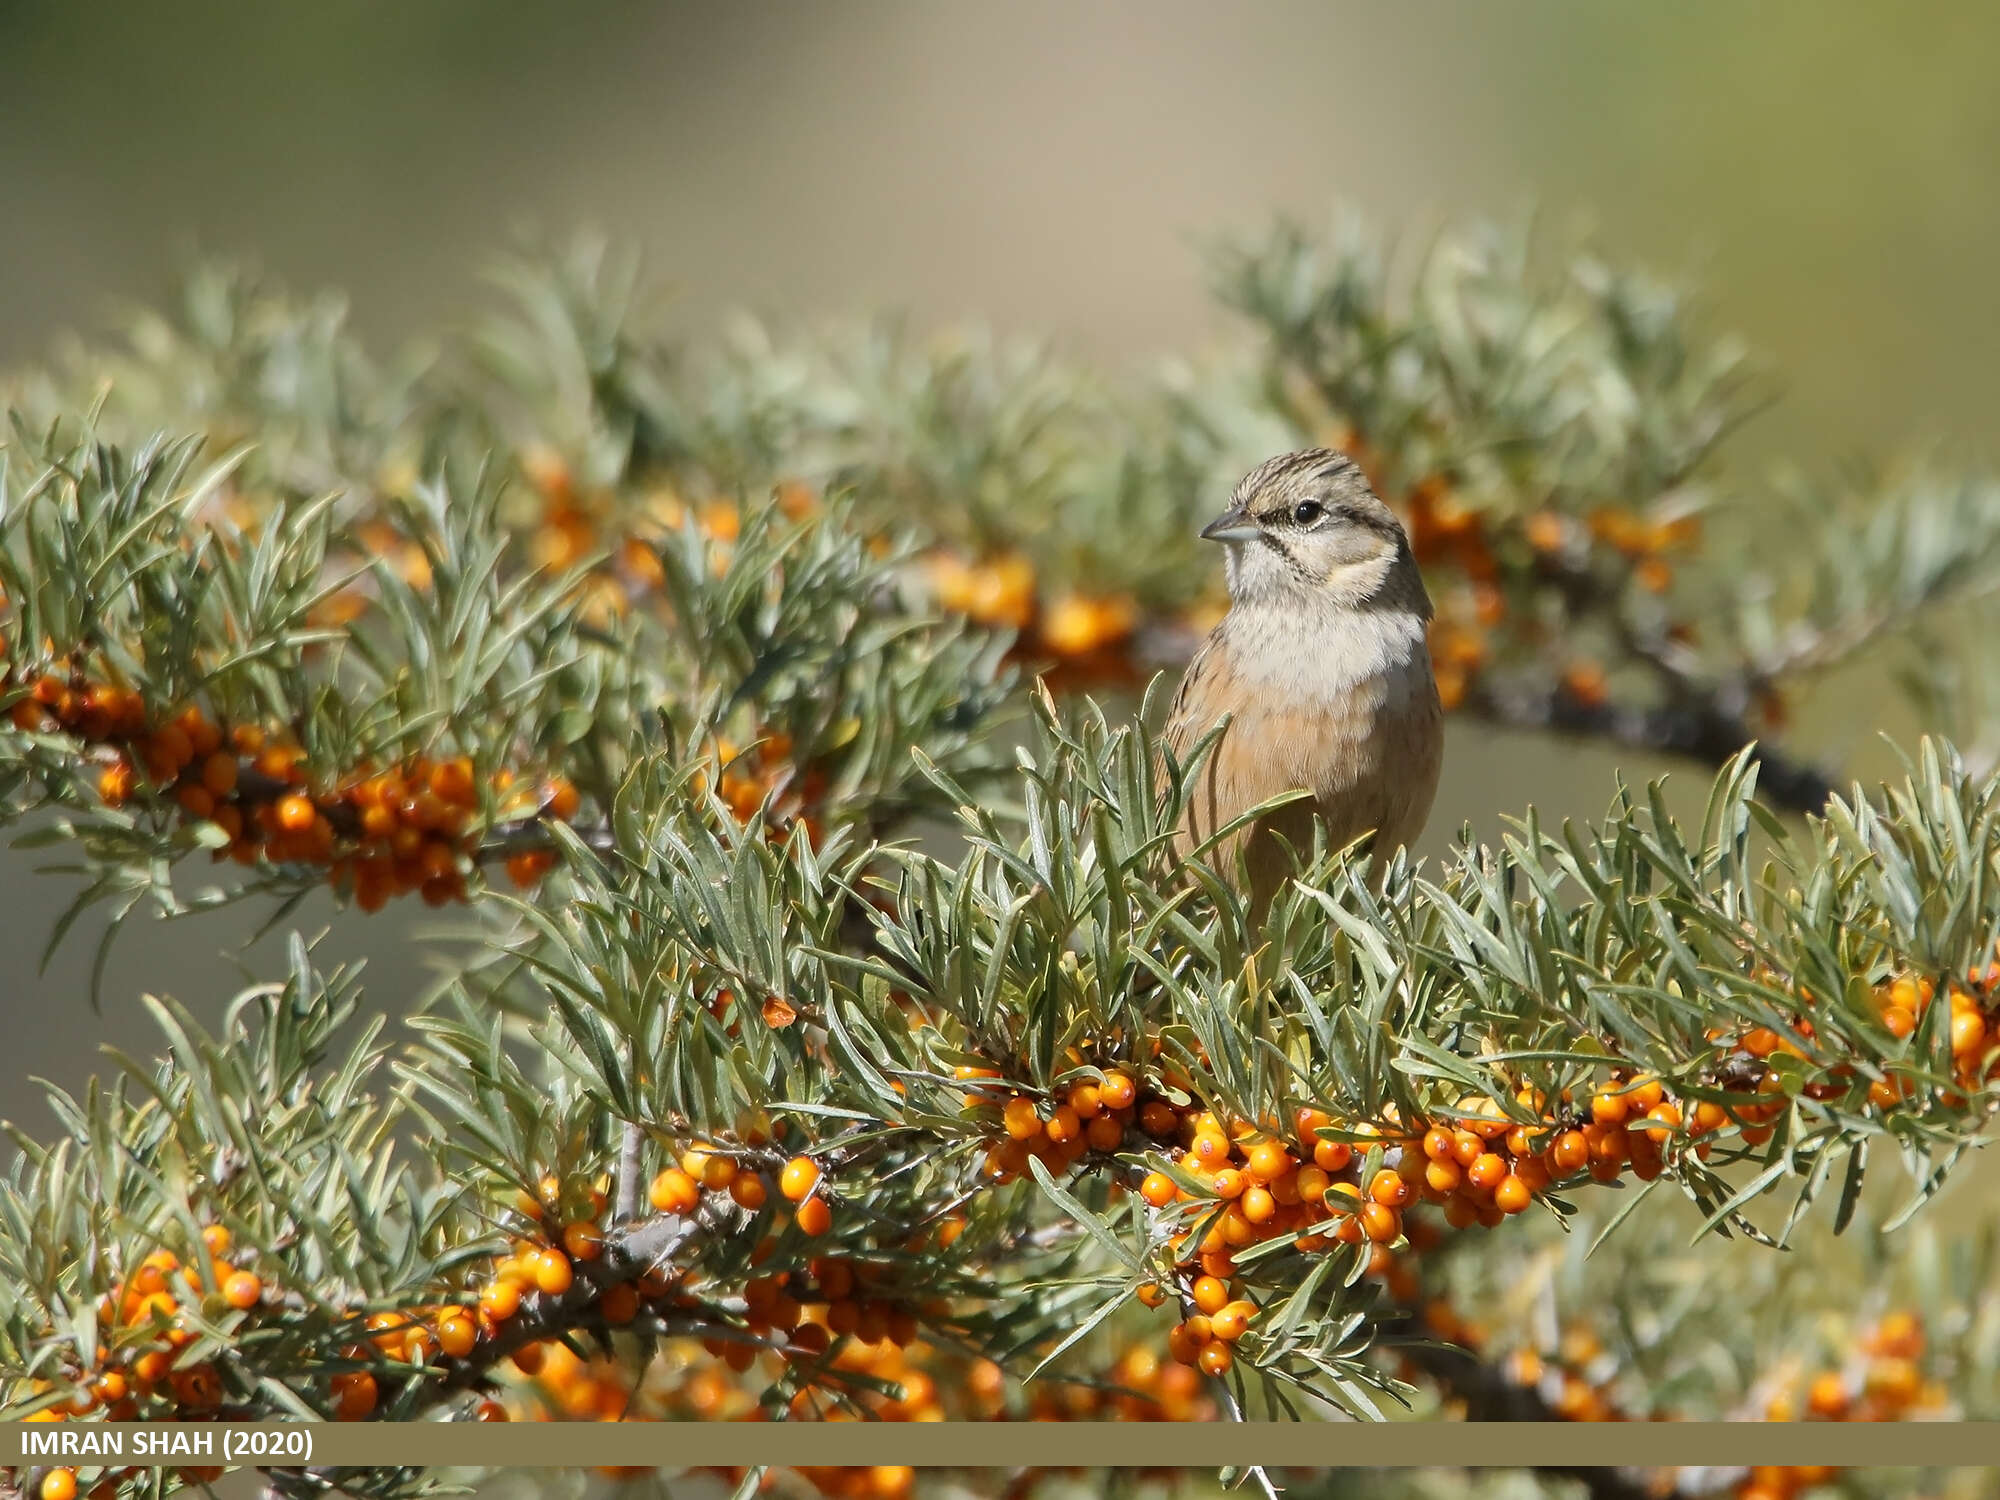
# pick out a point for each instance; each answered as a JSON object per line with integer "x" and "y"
{"x": 1823, "y": 171}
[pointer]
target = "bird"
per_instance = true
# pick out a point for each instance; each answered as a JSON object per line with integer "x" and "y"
{"x": 1321, "y": 667}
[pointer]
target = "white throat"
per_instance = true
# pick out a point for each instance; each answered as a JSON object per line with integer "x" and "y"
{"x": 1323, "y": 652}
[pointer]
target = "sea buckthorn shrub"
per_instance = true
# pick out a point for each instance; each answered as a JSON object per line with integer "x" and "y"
{"x": 842, "y": 1039}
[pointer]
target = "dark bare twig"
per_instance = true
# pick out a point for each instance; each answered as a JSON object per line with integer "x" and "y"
{"x": 1700, "y": 731}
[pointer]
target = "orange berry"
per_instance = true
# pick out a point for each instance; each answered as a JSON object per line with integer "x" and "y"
{"x": 1585, "y": 682}
{"x": 1332, "y": 1156}
{"x": 452, "y": 781}
{"x": 1968, "y": 1030}
{"x": 243, "y": 1289}
{"x": 552, "y": 1272}
{"x": 1158, "y": 1189}
{"x": 1389, "y": 1189}
{"x": 1443, "y": 1176}
{"x": 560, "y": 798}
{"x": 1511, "y": 1195}
{"x": 59, "y": 1484}
{"x": 799, "y": 1177}
{"x": 1117, "y": 1091}
{"x": 1268, "y": 1161}
{"x": 296, "y": 814}
{"x": 1152, "y": 1294}
{"x": 1380, "y": 1223}
{"x": 1209, "y": 1294}
{"x": 1662, "y": 1119}
{"x": 218, "y": 774}
{"x": 1209, "y": 1148}
{"x": 354, "y": 1395}
{"x": 814, "y": 1217}
{"x": 489, "y": 1410}
{"x": 1438, "y": 1144}
{"x": 1232, "y": 1320}
{"x": 500, "y": 1299}
{"x": 1900, "y": 1335}
{"x": 1608, "y": 1108}
{"x": 525, "y": 867}
{"x": 1487, "y": 1170}
{"x": 114, "y": 782}
{"x": 1827, "y": 1396}
{"x": 748, "y": 1191}
{"x": 620, "y": 1304}
{"x": 456, "y": 1333}
{"x": 1259, "y": 1206}
{"x": 675, "y": 1192}
{"x": 1571, "y": 1150}
{"x": 1105, "y": 1133}
{"x": 1020, "y": 1119}
{"x": 1063, "y": 1125}
{"x": 1216, "y": 1360}
{"x": 583, "y": 1239}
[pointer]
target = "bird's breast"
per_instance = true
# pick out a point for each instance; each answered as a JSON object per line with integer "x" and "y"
{"x": 1379, "y": 658}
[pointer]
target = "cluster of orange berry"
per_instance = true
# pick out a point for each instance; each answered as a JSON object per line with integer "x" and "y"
{"x": 764, "y": 778}
{"x": 900, "y": 1381}
{"x": 706, "y": 1168}
{"x": 572, "y": 525}
{"x": 1643, "y": 541}
{"x": 1252, "y": 1183}
{"x": 1903, "y": 1002}
{"x": 1570, "y": 1395}
{"x": 1090, "y": 1116}
{"x": 1445, "y": 531}
{"x": 837, "y": 1298}
{"x": 145, "y": 1328}
{"x": 1002, "y": 591}
{"x": 381, "y": 833}
{"x": 1886, "y": 1385}
{"x": 838, "y": 1332}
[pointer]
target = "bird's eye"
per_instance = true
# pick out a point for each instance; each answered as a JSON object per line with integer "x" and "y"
{"x": 1308, "y": 511}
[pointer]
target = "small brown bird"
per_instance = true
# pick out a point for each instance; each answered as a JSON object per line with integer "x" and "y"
{"x": 1321, "y": 666}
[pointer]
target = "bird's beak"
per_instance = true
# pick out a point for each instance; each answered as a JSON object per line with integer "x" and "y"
{"x": 1233, "y": 525}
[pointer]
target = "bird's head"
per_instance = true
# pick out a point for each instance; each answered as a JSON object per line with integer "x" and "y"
{"x": 1305, "y": 529}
